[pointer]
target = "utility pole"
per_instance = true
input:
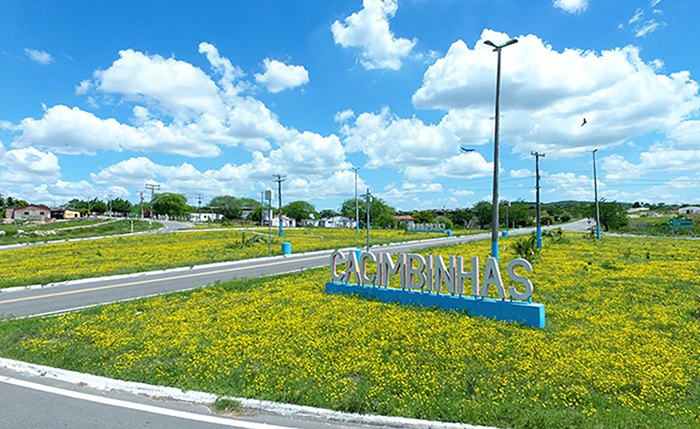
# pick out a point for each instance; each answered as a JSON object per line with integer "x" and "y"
{"x": 262, "y": 206}
{"x": 199, "y": 207}
{"x": 279, "y": 179}
{"x": 141, "y": 197}
{"x": 357, "y": 204}
{"x": 368, "y": 202}
{"x": 152, "y": 187}
{"x": 595, "y": 190}
{"x": 537, "y": 156}
{"x": 494, "y": 218}
{"x": 268, "y": 197}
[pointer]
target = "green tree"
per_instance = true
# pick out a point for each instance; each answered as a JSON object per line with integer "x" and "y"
{"x": 231, "y": 207}
{"x": 424, "y": 216}
{"x": 97, "y": 206}
{"x": 299, "y": 210}
{"x": 329, "y": 213}
{"x": 170, "y": 204}
{"x": 460, "y": 217}
{"x": 381, "y": 214}
{"x": 613, "y": 215}
{"x": 120, "y": 205}
{"x": 483, "y": 213}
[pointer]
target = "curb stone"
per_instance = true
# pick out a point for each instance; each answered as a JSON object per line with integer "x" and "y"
{"x": 171, "y": 393}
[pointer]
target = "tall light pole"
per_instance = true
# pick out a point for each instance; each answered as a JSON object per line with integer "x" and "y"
{"x": 494, "y": 218}
{"x": 537, "y": 156}
{"x": 595, "y": 190}
{"x": 368, "y": 202}
{"x": 357, "y": 204}
{"x": 279, "y": 179}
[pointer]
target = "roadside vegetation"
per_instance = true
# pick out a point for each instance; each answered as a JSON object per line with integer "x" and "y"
{"x": 120, "y": 255}
{"x": 621, "y": 347}
{"x": 20, "y": 232}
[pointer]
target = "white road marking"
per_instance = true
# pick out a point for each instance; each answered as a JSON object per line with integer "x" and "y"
{"x": 140, "y": 407}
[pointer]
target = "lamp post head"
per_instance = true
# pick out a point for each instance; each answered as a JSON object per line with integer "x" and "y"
{"x": 499, "y": 47}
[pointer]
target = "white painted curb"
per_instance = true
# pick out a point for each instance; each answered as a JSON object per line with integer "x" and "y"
{"x": 170, "y": 393}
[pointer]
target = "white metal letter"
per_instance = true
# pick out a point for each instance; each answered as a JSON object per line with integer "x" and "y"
{"x": 412, "y": 271}
{"x": 520, "y": 262}
{"x": 492, "y": 276}
{"x": 363, "y": 268}
{"x": 335, "y": 256}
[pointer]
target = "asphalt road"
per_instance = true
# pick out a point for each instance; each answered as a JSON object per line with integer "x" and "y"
{"x": 74, "y": 295}
{"x": 32, "y": 402}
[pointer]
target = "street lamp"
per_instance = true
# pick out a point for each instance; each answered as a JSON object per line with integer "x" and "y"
{"x": 494, "y": 219}
{"x": 357, "y": 204}
{"x": 595, "y": 190}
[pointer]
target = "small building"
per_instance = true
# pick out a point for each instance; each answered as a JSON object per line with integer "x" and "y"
{"x": 205, "y": 217}
{"x": 32, "y": 212}
{"x": 337, "y": 222}
{"x": 689, "y": 210}
{"x": 287, "y": 222}
{"x": 404, "y": 219}
{"x": 64, "y": 214}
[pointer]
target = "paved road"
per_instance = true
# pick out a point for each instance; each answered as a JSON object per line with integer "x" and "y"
{"x": 69, "y": 296}
{"x": 37, "y": 402}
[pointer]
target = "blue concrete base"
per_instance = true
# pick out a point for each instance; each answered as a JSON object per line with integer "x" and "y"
{"x": 504, "y": 233}
{"x": 527, "y": 313}
{"x": 286, "y": 248}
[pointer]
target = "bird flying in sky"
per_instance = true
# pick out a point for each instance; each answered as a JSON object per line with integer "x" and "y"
{"x": 584, "y": 122}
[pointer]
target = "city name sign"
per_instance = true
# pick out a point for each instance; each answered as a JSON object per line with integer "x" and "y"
{"x": 428, "y": 281}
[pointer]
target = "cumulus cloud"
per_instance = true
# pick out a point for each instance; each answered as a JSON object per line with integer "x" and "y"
{"x": 570, "y": 186}
{"x": 279, "y": 76}
{"x": 29, "y": 165}
{"x": 520, "y": 173}
{"x": 390, "y": 141}
{"x": 571, "y": 6}
{"x": 546, "y": 93}
{"x": 75, "y": 131}
{"x": 186, "y": 90}
{"x": 369, "y": 31}
{"x": 39, "y": 57}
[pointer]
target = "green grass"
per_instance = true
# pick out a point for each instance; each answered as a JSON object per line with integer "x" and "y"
{"x": 71, "y": 229}
{"x": 659, "y": 226}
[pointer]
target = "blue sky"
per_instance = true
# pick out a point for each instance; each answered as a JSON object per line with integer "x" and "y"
{"x": 100, "y": 98}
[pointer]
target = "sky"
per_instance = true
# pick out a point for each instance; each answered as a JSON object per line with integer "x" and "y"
{"x": 100, "y": 98}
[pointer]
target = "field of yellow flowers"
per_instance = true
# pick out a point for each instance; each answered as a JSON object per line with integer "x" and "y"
{"x": 621, "y": 347}
{"x": 120, "y": 255}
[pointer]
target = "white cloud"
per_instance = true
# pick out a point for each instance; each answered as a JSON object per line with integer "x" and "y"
{"x": 40, "y": 57}
{"x": 83, "y": 87}
{"x": 546, "y": 93}
{"x": 28, "y": 166}
{"x": 279, "y": 76}
{"x": 344, "y": 116}
{"x": 228, "y": 72}
{"x": 390, "y": 141}
{"x": 369, "y": 30}
{"x": 75, "y": 131}
{"x": 617, "y": 168}
{"x": 640, "y": 24}
{"x": 176, "y": 87}
{"x": 562, "y": 186}
{"x": 520, "y": 173}
{"x": 571, "y": 6}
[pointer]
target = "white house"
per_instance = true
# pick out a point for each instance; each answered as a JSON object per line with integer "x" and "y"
{"x": 689, "y": 210}
{"x": 337, "y": 222}
{"x": 205, "y": 217}
{"x": 287, "y": 222}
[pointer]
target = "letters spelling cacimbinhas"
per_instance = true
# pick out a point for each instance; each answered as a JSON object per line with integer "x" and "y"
{"x": 430, "y": 273}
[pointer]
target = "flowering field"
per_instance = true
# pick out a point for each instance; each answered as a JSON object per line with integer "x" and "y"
{"x": 621, "y": 347}
{"x": 119, "y": 255}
